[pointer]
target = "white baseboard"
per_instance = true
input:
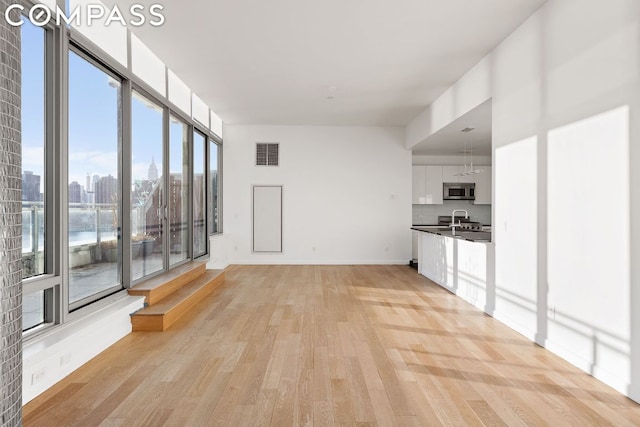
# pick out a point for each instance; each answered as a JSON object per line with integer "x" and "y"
{"x": 614, "y": 381}
{"x": 274, "y": 261}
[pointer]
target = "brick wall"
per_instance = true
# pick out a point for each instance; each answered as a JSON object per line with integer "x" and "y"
{"x": 10, "y": 225}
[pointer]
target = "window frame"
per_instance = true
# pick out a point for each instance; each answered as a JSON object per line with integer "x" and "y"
{"x": 205, "y": 135}
{"x": 216, "y": 142}
{"x": 71, "y": 307}
{"x": 127, "y": 262}
{"x": 189, "y": 238}
{"x": 60, "y": 40}
{"x": 50, "y": 282}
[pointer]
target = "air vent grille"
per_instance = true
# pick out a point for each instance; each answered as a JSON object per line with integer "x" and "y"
{"x": 267, "y": 154}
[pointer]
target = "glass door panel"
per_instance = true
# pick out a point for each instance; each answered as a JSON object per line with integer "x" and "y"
{"x": 178, "y": 196}
{"x": 94, "y": 191}
{"x": 147, "y": 187}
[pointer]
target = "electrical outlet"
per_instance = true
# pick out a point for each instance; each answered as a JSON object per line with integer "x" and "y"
{"x": 65, "y": 359}
{"x": 37, "y": 376}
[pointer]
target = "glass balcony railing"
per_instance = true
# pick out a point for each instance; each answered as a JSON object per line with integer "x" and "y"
{"x": 32, "y": 239}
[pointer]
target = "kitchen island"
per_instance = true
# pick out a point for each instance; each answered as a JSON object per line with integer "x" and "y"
{"x": 463, "y": 264}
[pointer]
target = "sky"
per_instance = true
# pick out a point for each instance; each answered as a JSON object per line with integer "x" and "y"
{"x": 33, "y": 100}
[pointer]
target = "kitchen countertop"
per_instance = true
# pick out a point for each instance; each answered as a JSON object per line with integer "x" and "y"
{"x": 472, "y": 236}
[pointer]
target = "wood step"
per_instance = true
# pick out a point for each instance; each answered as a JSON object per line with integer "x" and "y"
{"x": 160, "y": 316}
{"x": 163, "y": 285}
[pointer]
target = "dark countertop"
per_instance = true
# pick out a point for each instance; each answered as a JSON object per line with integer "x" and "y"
{"x": 472, "y": 236}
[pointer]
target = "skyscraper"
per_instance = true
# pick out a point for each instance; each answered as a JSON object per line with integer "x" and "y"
{"x": 106, "y": 190}
{"x": 75, "y": 192}
{"x": 31, "y": 187}
{"x": 153, "y": 171}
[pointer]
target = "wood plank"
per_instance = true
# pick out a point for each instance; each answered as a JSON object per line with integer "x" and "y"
{"x": 329, "y": 345}
{"x": 163, "y": 285}
{"x": 162, "y": 315}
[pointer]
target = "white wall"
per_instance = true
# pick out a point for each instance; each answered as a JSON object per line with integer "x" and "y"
{"x": 346, "y": 195}
{"x": 565, "y": 91}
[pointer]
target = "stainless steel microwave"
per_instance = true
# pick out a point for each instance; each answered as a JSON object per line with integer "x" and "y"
{"x": 459, "y": 191}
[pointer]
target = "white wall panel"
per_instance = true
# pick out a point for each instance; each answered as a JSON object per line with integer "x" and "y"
{"x": 200, "y": 110}
{"x": 216, "y": 124}
{"x": 589, "y": 158}
{"x": 516, "y": 226}
{"x": 179, "y": 93}
{"x": 267, "y": 218}
{"x": 146, "y": 65}
{"x": 112, "y": 39}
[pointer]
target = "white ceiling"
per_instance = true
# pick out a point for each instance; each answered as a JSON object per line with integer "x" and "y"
{"x": 450, "y": 141}
{"x": 280, "y": 61}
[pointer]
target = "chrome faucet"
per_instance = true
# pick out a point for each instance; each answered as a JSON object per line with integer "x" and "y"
{"x": 453, "y": 219}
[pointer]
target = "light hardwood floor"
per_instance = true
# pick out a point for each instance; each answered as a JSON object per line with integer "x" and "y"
{"x": 330, "y": 345}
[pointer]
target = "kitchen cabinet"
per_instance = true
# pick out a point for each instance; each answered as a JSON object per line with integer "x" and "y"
{"x": 483, "y": 186}
{"x": 428, "y": 180}
{"x": 418, "y": 179}
{"x": 461, "y": 266}
{"x": 433, "y": 185}
{"x": 451, "y": 174}
{"x": 465, "y": 178}
{"x": 427, "y": 185}
{"x": 414, "y": 246}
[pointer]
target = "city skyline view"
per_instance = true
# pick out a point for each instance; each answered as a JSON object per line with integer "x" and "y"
{"x": 91, "y": 128}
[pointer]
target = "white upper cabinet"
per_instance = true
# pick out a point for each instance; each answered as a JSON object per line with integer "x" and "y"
{"x": 449, "y": 174}
{"x": 433, "y": 185}
{"x": 428, "y": 180}
{"x": 419, "y": 182}
{"x": 466, "y": 178}
{"x": 483, "y": 186}
{"x": 427, "y": 185}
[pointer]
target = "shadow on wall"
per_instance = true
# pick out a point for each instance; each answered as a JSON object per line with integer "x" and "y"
{"x": 566, "y": 272}
{"x": 577, "y": 296}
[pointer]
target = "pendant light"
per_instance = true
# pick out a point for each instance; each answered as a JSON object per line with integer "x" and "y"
{"x": 470, "y": 169}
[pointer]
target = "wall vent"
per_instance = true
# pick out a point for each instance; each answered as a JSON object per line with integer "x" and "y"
{"x": 267, "y": 154}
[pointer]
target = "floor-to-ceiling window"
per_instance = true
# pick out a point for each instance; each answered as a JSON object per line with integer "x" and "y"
{"x": 33, "y": 169}
{"x": 199, "y": 195}
{"x": 94, "y": 183}
{"x": 101, "y": 160}
{"x": 178, "y": 190}
{"x": 147, "y": 187}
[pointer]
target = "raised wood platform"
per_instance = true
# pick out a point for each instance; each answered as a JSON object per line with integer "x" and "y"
{"x": 170, "y": 295}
